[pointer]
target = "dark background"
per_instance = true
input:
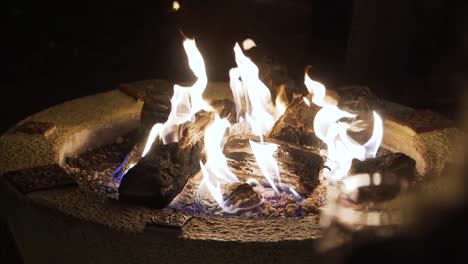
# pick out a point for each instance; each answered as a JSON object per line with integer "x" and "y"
{"x": 408, "y": 51}
{"x": 412, "y": 52}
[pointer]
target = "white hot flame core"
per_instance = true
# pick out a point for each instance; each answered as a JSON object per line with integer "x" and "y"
{"x": 281, "y": 102}
{"x": 372, "y": 146}
{"x": 216, "y": 161}
{"x": 216, "y": 173}
{"x": 155, "y": 132}
{"x": 250, "y": 94}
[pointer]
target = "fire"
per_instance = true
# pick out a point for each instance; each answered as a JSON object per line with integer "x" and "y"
{"x": 215, "y": 171}
{"x": 216, "y": 161}
{"x": 281, "y": 101}
{"x": 185, "y": 101}
{"x": 256, "y": 114}
{"x": 316, "y": 89}
{"x": 251, "y": 96}
{"x": 175, "y": 6}
{"x": 342, "y": 149}
{"x": 248, "y": 44}
{"x": 155, "y": 132}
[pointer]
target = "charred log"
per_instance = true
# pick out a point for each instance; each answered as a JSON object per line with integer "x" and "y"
{"x": 395, "y": 169}
{"x": 299, "y": 167}
{"x": 296, "y": 125}
{"x": 163, "y": 172}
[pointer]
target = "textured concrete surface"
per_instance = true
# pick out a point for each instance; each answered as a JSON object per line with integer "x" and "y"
{"x": 79, "y": 123}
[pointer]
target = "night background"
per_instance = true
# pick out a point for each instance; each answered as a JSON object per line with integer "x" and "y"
{"x": 411, "y": 52}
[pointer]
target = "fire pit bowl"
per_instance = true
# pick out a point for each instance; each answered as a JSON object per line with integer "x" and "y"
{"x": 54, "y": 217}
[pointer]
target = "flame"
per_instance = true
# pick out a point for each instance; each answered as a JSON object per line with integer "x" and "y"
{"x": 316, "y": 89}
{"x": 197, "y": 65}
{"x": 215, "y": 171}
{"x": 372, "y": 146}
{"x": 216, "y": 161}
{"x": 281, "y": 101}
{"x": 185, "y": 101}
{"x": 248, "y": 44}
{"x": 250, "y": 94}
{"x": 263, "y": 153}
{"x": 341, "y": 148}
{"x": 175, "y": 6}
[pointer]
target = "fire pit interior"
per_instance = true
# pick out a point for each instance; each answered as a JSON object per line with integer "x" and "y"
{"x": 248, "y": 155}
{"x": 260, "y": 164}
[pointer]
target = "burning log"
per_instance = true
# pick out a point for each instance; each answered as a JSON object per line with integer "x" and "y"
{"x": 388, "y": 173}
{"x": 299, "y": 167}
{"x": 163, "y": 172}
{"x": 296, "y": 125}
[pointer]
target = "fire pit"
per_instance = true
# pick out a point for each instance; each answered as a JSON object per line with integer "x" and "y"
{"x": 151, "y": 171}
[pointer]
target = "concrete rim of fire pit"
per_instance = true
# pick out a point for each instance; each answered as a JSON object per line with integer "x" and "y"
{"x": 46, "y": 138}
